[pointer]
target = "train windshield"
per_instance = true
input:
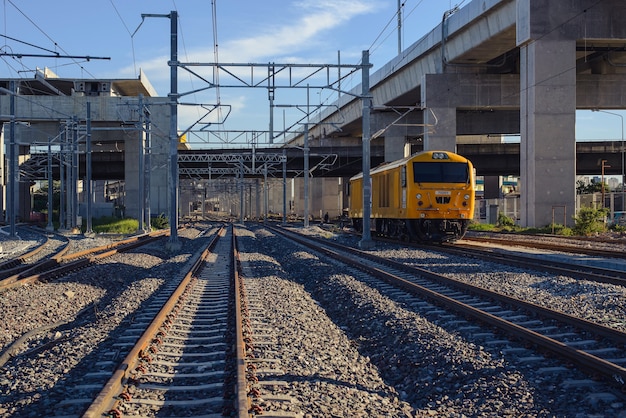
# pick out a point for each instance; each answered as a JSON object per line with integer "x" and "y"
{"x": 440, "y": 172}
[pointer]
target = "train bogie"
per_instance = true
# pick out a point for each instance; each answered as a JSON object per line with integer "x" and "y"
{"x": 427, "y": 197}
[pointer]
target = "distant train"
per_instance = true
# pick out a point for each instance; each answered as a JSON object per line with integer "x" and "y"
{"x": 427, "y": 197}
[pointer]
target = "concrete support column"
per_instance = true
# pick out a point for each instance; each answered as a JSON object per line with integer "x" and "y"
{"x": 325, "y": 197}
{"x": 131, "y": 177}
{"x": 439, "y": 101}
{"x": 24, "y": 200}
{"x": 440, "y": 132}
{"x": 394, "y": 128}
{"x": 396, "y": 146}
{"x": 548, "y": 137}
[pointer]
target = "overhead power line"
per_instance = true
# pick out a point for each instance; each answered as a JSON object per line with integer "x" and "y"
{"x": 21, "y": 55}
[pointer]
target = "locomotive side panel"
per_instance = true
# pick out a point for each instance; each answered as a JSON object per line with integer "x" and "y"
{"x": 356, "y": 198}
{"x": 385, "y": 193}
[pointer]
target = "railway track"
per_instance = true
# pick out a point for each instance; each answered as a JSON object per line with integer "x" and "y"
{"x": 76, "y": 358}
{"x": 48, "y": 246}
{"x": 612, "y": 272}
{"x": 63, "y": 261}
{"x": 185, "y": 360}
{"x": 565, "y": 245}
{"x": 593, "y": 348}
{"x": 497, "y": 250}
{"x": 291, "y": 366}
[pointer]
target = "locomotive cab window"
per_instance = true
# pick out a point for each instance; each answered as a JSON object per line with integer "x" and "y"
{"x": 440, "y": 172}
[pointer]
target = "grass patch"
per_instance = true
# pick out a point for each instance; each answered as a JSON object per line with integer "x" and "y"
{"x": 549, "y": 229}
{"x": 111, "y": 225}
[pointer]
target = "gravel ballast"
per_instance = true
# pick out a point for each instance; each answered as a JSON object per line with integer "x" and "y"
{"x": 417, "y": 367}
{"x": 346, "y": 347}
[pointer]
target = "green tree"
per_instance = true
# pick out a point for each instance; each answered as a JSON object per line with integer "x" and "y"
{"x": 593, "y": 187}
{"x": 40, "y": 197}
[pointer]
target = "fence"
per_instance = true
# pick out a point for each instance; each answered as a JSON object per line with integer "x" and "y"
{"x": 487, "y": 210}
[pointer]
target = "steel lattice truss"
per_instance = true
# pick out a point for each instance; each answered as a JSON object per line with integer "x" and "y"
{"x": 218, "y": 164}
{"x": 246, "y": 164}
{"x": 263, "y": 158}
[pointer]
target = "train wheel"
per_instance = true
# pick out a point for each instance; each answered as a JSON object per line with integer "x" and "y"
{"x": 420, "y": 230}
{"x": 393, "y": 230}
{"x": 380, "y": 224}
{"x": 412, "y": 228}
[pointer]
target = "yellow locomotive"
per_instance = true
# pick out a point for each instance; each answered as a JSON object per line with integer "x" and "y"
{"x": 427, "y": 197}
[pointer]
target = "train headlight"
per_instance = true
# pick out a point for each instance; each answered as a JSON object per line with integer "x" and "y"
{"x": 466, "y": 197}
{"x": 419, "y": 195}
{"x": 422, "y": 215}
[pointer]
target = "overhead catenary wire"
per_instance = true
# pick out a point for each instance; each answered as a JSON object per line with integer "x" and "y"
{"x": 378, "y": 42}
{"x": 56, "y": 45}
{"x": 373, "y": 45}
{"x": 132, "y": 40}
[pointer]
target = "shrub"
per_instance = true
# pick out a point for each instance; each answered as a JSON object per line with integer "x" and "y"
{"x": 618, "y": 228}
{"x": 160, "y": 222}
{"x": 477, "y": 226}
{"x": 590, "y": 220}
{"x": 504, "y": 221}
{"x": 562, "y": 230}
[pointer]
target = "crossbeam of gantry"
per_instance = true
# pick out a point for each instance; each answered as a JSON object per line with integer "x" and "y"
{"x": 272, "y": 164}
{"x": 274, "y": 75}
{"x": 232, "y": 158}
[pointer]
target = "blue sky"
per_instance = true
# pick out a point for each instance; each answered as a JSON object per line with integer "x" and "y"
{"x": 248, "y": 31}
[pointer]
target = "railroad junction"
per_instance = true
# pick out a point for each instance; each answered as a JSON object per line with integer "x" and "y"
{"x": 231, "y": 323}
{"x": 128, "y": 328}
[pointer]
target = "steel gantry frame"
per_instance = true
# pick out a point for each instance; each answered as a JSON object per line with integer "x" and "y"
{"x": 294, "y": 78}
{"x": 227, "y": 75}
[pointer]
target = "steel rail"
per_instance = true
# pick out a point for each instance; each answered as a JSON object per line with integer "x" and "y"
{"x": 62, "y": 263}
{"x": 15, "y": 265}
{"x": 614, "y": 373}
{"x": 549, "y": 246}
{"x": 243, "y": 400}
{"x": 580, "y": 271}
{"x": 106, "y": 400}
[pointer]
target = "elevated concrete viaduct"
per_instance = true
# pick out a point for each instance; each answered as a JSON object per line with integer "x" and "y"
{"x": 501, "y": 67}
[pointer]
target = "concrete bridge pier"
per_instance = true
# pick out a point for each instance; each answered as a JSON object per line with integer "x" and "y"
{"x": 548, "y": 135}
{"x": 397, "y": 130}
{"x": 439, "y": 112}
{"x": 440, "y": 131}
{"x": 396, "y": 145}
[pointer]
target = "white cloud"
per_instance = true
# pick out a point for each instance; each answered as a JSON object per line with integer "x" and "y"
{"x": 316, "y": 19}
{"x": 292, "y": 40}
{"x": 271, "y": 42}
